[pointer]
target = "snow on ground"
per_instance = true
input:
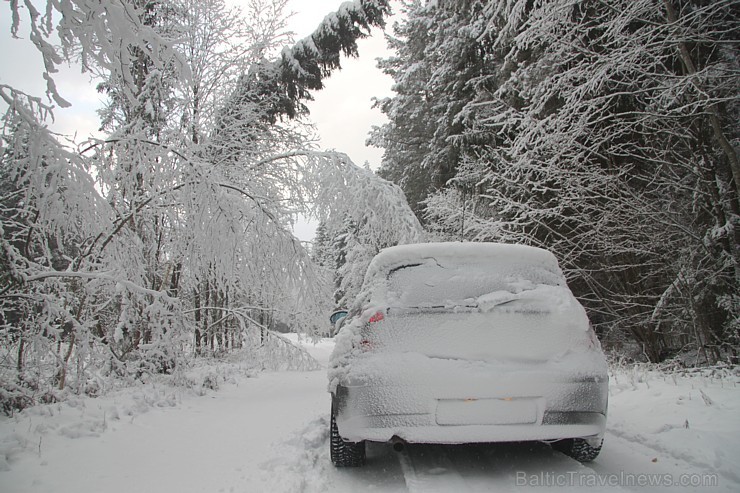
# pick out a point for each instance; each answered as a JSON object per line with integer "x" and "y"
{"x": 268, "y": 432}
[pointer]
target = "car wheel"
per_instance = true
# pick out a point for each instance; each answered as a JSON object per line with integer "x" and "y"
{"x": 344, "y": 454}
{"x": 578, "y": 448}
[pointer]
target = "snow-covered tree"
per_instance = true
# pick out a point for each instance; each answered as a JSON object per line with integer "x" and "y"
{"x": 122, "y": 255}
{"x": 322, "y": 252}
{"x": 438, "y": 57}
{"x": 602, "y": 130}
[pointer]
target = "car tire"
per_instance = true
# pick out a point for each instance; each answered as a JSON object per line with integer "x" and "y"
{"x": 344, "y": 454}
{"x": 578, "y": 448}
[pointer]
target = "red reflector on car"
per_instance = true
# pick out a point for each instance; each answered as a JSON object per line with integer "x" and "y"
{"x": 376, "y": 318}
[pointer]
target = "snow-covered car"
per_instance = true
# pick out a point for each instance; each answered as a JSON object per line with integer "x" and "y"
{"x": 462, "y": 343}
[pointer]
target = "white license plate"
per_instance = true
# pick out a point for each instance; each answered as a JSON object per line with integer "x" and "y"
{"x": 488, "y": 411}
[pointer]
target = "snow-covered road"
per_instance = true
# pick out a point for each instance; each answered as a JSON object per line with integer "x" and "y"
{"x": 269, "y": 433}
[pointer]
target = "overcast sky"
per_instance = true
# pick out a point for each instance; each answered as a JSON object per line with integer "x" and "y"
{"x": 342, "y": 111}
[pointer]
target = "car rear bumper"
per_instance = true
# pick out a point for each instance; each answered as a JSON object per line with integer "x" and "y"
{"x": 416, "y": 428}
{"x": 474, "y": 411}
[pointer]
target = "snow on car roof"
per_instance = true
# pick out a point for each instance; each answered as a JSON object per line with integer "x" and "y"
{"x": 396, "y": 256}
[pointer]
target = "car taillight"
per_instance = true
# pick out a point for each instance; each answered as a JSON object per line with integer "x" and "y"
{"x": 378, "y": 316}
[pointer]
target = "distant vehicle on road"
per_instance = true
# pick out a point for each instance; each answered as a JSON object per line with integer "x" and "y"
{"x": 462, "y": 343}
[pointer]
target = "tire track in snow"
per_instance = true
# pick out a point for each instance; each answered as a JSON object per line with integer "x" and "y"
{"x": 506, "y": 467}
{"x": 584, "y": 476}
{"x": 647, "y": 454}
{"x": 649, "y": 443}
{"x": 429, "y": 469}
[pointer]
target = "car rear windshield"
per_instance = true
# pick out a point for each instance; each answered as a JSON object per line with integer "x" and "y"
{"x": 445, "y": 284}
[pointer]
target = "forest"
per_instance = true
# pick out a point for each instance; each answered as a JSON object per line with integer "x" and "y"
{"x": 605, "y": 131}
{"x": 602, "y": 130}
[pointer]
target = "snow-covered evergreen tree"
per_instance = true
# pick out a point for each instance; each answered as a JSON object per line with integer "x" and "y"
{"x": 600, "y": 130}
